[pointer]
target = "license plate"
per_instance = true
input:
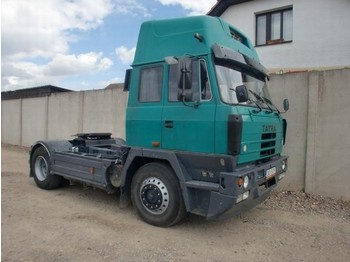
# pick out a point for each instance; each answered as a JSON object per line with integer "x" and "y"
{"x": 270, "y": 173}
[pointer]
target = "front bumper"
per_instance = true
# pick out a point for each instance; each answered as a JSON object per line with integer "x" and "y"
{"x": 225, "y": 199}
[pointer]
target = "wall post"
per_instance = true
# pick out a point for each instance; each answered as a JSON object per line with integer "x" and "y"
{"x": 313, "y": 86}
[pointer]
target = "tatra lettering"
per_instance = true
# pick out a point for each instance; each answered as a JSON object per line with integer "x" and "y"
{"x": 269, "y": 128}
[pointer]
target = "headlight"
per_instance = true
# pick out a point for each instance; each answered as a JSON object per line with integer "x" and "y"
{"x": 284, "y": 165}
{"x": 246, "y": 182}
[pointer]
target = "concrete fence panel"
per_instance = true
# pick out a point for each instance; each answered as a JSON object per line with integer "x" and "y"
{"x": 65, "y": 115}
{"x": 293, "y": 87}
{"x": 11, "y": 121}
{"x": 34, "y": 120}
{"x": 332, "y": 137}
{"x": 104, "y": 111}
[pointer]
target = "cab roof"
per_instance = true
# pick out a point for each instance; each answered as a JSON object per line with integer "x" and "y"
{"x": 176, "y": 37}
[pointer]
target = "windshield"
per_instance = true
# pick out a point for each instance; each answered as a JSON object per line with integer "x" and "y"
{"x": 229, "y": 78}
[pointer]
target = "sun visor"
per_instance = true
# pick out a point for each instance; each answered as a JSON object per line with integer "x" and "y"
{"x": 224, "y": 53}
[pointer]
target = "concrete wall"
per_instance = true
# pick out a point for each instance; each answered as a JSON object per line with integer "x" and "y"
{"x": 65, "y": 114}
{"x": 318, "y": 137}
{"x": 34, "y": 119}
{"x": 293, "y": 87}
{"x": 329, "y": 136}
{"x": 104, "y": 111}
{"x": 62, "y": 115}
{"x": 11, "y": 121}
{"x": 319, "y": 32}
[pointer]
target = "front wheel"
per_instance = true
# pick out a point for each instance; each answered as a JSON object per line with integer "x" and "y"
{"x": 156, "y": 195}
{"x": 41, "y": 170}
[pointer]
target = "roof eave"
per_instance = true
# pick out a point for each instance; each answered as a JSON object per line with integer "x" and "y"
{"x": 220, "y": 7}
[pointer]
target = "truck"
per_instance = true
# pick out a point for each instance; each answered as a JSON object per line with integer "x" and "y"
{"x": 202, "y": 133}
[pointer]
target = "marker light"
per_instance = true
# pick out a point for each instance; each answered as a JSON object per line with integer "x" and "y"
{"x": 240, "y": 182}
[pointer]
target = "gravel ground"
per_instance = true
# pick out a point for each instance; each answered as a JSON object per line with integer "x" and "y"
{"x": 300, "y": 202}
{"x": 82, "y": 224}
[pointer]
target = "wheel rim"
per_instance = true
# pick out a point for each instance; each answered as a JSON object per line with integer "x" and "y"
{"x": 154, "y": 195}
{"x": 41, "y": 168}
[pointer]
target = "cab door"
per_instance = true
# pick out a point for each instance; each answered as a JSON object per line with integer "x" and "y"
{"x": 189, "y": 110}
{"x": 145, "y": 107}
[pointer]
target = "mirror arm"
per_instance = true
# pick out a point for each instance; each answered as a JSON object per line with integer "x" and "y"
{"x": 195, "y": 103}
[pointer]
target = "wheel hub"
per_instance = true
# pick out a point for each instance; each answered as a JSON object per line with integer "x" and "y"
{"x": 154, "y": 195}
{"x": 41, "y": 168}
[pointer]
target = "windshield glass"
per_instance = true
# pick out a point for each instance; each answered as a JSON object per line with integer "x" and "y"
{"x": 229, "y": 78}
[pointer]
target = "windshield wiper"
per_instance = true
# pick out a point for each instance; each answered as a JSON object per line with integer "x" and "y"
{"x": 252, "y": 101}
{"x": 261, "y": 99}
{"x": 268, "y": 101}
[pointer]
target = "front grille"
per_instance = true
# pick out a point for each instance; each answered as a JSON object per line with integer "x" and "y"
{"x": 268, "y": 144}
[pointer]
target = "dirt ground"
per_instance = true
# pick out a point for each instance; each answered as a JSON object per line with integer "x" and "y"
{"x": 82, "y": 224}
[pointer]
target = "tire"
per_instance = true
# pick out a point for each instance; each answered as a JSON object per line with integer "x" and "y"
{"x": 41, "y": 170}
{"x": 156, "y": 195}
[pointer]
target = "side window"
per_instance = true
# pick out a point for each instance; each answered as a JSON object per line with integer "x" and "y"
{"x": 200, "y": 82}
{"x": 174, "y": 76}
{"x": 150, "y": 89}
{"x": 204, "y": 81}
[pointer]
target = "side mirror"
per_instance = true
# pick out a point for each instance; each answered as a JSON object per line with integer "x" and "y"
{"x": 185, "y": 95}
{"x": 185, "y": 66}
{"x": 285, "y": 105}
{"x": 242, "y": 94}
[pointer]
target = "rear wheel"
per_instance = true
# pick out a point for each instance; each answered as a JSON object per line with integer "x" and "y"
{"x": 156, "y": 195}
{"x": 41, "y": 170}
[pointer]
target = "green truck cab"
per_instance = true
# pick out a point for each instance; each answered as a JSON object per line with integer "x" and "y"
{"x": 202, "y": 135}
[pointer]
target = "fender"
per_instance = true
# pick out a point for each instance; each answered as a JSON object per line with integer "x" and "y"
{"x": 51, "y": 147}
{"x": 140, "y": 156}
{"x": 145, "y": 153}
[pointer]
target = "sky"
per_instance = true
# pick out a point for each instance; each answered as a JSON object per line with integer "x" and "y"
{"x": 77, "y": 44}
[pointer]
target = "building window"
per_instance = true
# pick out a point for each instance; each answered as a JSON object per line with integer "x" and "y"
{"x": 274, "y": 27}
{"x": 151, "y": 84}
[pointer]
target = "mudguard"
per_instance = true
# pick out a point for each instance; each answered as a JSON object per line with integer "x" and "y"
{"x": 50, "y": 146}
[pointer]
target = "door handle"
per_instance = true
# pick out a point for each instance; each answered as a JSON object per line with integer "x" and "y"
{"x": 169, "y": 124}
